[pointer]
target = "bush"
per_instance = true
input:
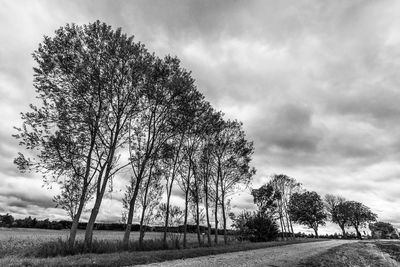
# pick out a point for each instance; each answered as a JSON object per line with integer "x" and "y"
{"x": 262, "y": 228}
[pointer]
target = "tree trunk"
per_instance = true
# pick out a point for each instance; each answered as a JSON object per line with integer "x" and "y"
{"x": 169, "y": 191}
{"x": 128, "y": 226}
{"x": 343, "y": 231}
{"x": 224, "y": 217}
{"x": 216, "y": 206}
{"x": 358, "y": 232}
{"x": 316, "y": 232}
{"x": 96, "y": 207}
{"x": 75, "y": 222}
{"x": 287, "y": 223}
{"x": 207, "y": 214}
{"x": 144, "y": 207}
{"x": 186, "y": 215}
{"x": 291, "y": 227}
{"x": 142, "y": 230}
{"x": 198, "y": 223}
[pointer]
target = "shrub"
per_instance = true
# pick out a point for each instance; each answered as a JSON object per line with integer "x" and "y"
{"x": 262, "y": 228}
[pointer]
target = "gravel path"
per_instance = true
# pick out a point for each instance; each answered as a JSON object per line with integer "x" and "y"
{"x": 289, "y": 255}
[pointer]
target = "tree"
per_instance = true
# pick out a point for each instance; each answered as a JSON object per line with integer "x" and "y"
{"x": 383, "y": 230}
{"x": 337, "y": 211}
{"x": 88, "y": 78}
{"x": 286, "y": 186}
{"x": 308, "y": 209}
{"x": 232, "y": 154}
{"x": 359, "y": 215}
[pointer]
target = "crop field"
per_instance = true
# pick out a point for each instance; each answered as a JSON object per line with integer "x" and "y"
{"x": 15, "y": 241}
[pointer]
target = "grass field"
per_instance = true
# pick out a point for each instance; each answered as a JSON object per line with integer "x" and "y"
{"x": 15, "y": 242}
{"x": 365, "y": 253}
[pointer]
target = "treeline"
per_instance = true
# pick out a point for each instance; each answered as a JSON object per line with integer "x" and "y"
{"x": 282, "y": 201}
{"x": 112, "y": 110}
{"x": 8, "y": 221}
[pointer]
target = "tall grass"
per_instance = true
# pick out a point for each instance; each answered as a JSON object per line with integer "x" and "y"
{"x": 61, "y": 247}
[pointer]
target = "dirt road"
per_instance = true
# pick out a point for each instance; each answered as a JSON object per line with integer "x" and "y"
{"x": 289, "y": 255}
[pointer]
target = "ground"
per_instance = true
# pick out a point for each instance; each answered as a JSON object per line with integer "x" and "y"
{"x": 308, "y": 252}
{"x": 289, "y": 255}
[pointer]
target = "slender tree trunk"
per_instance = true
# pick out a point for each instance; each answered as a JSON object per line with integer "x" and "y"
{"x": 132, "y": 202}
{"x": 144, "y": 207}
{"x": 224, "y": 217}
{"x": 75, "y": 221}
{"x": 291, "y": 227}
{"x": 93, "y": 216}
{"x": 207, "y": 213}
{"x": 216, "y": 206}
{"x": 288, "y": 225}
{"x": 142, "y": 230}
{"x": 280, "y": 221}
{"x": 186, "y": 215}
{"x": 169, "y": 191}
{"x": 99, "y": 197}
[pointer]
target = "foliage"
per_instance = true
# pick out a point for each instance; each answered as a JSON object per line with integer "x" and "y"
{"x": 266, "y": 198}
{"x": 308, "y": 209}
{"x": 385, "y": 229}
{"x": 262, "y": 227}
{"x": 256, "y": 226}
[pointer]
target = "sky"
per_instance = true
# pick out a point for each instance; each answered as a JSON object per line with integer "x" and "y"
{"x": 315, "y": 83}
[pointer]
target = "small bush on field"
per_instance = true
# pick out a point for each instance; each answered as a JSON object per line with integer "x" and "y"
{"x": 61, "y": 247}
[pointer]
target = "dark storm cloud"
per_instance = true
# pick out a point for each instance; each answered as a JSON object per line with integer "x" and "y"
{"x": 315, "y": 83}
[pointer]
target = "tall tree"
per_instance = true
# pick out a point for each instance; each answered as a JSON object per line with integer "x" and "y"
{"x": 308, "y": 209}
{"x": 86, "y": 78}
{"x": 233, "y": 156}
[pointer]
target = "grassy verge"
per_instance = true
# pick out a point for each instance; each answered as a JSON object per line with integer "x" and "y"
{"x": 391, "y": 248}
{"x": 355, "y": 254}
{"x": 140, "y": 257}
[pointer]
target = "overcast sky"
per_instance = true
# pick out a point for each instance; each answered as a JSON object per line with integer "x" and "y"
{"x": 316, "y": 84}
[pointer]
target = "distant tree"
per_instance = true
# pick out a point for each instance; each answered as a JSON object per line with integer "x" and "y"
{"x": 359, "y": 215}
{"x": 337, "y": 211}
{"x": 6, "y": 220}
{"x": 308, "y": 209}
{"x": 382, "y": 230}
